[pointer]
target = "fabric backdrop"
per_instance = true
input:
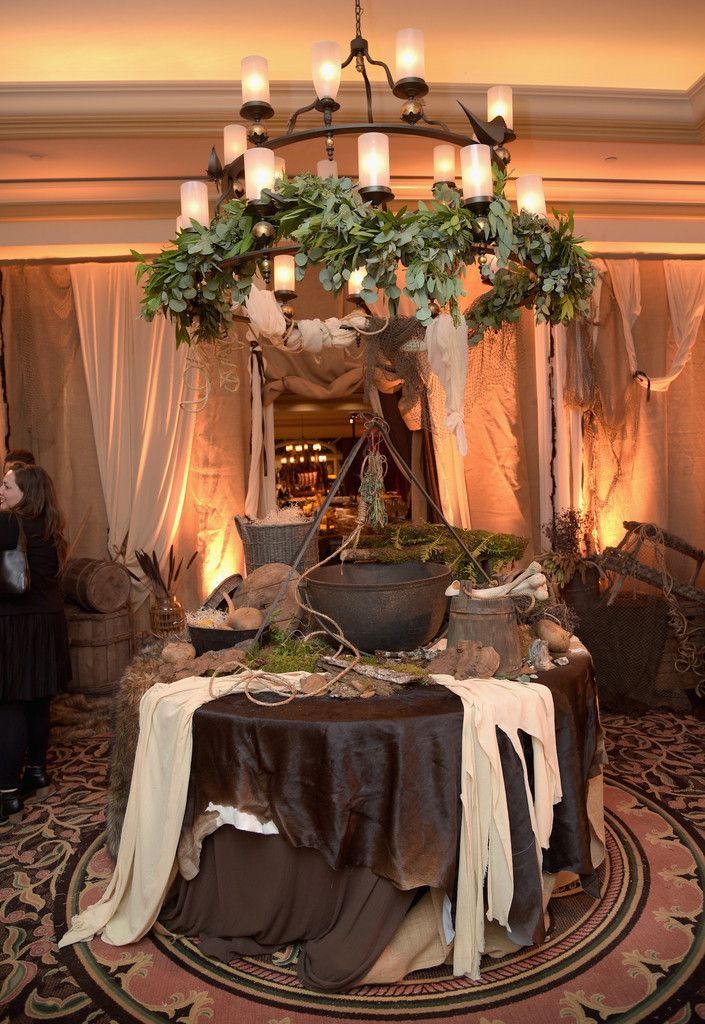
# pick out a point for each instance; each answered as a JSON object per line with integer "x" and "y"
{"x": 134, "y": 374}
{"x": 49, "y": 411}
{"x": 643, "y": 459}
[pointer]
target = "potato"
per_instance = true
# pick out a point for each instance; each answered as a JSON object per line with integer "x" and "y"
{"x": 245, "y": 618}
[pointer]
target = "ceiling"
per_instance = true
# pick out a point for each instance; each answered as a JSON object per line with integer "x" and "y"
{"x": 105, "y": 108}
{"x": 629, "y": 44}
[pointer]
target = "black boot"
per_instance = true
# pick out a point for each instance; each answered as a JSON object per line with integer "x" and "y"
{"x": 34, "y": 781}
{"x": 10, "y": 806}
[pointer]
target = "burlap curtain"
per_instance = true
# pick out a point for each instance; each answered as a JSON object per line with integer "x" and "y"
{"x": 48, "y": 406}
{"x": 649, "y": 455}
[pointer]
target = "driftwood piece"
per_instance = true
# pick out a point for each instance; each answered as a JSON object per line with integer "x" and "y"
{"x": 627, "y": 565}
{"x": 227, "y": 660}
{"x": 651, "y": 531}
{"x": 373, "y": 671}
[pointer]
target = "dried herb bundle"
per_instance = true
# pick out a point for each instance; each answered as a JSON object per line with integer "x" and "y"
{"x": 161, "y": 582}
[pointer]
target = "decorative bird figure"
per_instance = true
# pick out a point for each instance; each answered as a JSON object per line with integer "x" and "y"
{"x": 489, "y": 133}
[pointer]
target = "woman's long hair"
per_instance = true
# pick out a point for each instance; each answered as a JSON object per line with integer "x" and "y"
{"x": 39, "y": 501}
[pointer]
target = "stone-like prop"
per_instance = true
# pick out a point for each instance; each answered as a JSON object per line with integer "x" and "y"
{"x": 557, "y": 638}
{"x": 468, "y": 659}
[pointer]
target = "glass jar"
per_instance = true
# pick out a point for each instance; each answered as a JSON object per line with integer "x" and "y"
{"x": 166, "y": 616}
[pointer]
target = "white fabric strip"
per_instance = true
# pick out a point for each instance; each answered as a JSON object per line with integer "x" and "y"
{"x": 485, "y": 841}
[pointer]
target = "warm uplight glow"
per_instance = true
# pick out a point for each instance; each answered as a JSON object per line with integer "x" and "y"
{"x": 355, "y": 281}
{"x": 500, "y": 104}
{"x": 410, "y": 54}
{"x": 530, "y": 195}
{"x": 284, "y": 274}
{"x": 279, "y": 167}
{"x": 194, "y": 202}
{"x": 444, "y": 163}
{"x": 234, "y": 141}
{"x": 373, "y": 160}
{"x": 181, "y": 223}
{"x": 254, "y": 72}
{"x": 476, "y": 165}
{"x": 259, "y": 172}
{"x": 326, "y": 58}
{"x": 327, "y": 169}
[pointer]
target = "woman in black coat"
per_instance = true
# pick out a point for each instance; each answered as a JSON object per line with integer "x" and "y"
{"x": 34, "y": 651}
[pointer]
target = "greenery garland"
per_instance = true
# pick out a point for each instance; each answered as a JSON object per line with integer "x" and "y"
{"x": 540, "y": 263}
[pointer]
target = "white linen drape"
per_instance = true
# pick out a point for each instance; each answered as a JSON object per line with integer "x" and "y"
{"x": 626, "y": 285}
{"x": 134, "y": 376}
{"x": 685, "y": 285}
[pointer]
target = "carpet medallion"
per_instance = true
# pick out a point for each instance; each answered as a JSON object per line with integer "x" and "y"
{"x": 637, "y": 955}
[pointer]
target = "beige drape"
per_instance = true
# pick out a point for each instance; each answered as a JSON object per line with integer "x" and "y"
{"x": 217, "y": 483}
{"x": 661, "y": 447}
{"x": 134, "y": 376}
{"x": 47, "y": 399}
{"x": 501, "y": 421}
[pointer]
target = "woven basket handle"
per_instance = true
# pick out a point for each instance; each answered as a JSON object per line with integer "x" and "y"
{"x": 242, "y": 522}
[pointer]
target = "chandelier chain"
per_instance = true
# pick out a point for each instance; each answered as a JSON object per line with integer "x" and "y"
{"x": 358, "y": 18}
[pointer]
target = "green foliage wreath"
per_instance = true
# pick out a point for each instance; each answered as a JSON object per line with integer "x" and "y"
{"x": 540, "y": 264}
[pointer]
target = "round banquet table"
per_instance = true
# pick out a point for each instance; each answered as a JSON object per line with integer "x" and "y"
{"x": 373, "y": 787}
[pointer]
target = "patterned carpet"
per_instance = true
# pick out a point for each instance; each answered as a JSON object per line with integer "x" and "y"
{"x": 636, "y": 956}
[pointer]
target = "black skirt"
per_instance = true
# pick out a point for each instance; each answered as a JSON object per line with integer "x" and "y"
{"x": 34, "y": 655}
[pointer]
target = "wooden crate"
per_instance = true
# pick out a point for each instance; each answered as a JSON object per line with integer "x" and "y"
{"x": 102, "y": 646}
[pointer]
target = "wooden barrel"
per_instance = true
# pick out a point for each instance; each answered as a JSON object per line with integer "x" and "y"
{"x": 101, "y": 647}
{"x": 96, "y": 586}
{"x": 491, "y": 622}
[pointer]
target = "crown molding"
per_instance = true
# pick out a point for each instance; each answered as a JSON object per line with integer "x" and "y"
{"x": 696, "y": 95}
{"x": 200, "y": 109}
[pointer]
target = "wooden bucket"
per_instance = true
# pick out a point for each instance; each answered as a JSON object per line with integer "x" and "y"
{"x": 96, "y": 586}
{"x": 491, "y": 622}
{"x": 101, "y": 647}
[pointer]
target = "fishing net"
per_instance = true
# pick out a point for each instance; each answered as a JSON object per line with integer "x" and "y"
{"x": 611, "y": 405}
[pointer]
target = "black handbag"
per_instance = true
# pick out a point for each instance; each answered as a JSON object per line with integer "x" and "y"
{"x": 14, "y": 568}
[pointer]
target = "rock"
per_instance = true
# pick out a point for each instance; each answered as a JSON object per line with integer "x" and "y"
{"x": 539, "y": 656}
{"x": 178, "y": 652}
{"x": 557, "y": 638}
{"x": 314, "y": 681}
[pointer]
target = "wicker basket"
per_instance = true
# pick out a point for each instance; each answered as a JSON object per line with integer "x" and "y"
{"x": 276, "y": 543}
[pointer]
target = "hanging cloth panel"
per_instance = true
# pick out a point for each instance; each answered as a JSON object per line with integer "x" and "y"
{"x": 134, "y": 374}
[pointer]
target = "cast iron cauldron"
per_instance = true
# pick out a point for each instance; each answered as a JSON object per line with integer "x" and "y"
{"x": 382, "y": 607}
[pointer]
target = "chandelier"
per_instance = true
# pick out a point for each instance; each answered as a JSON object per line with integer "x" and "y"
{"x": 250, "y": 172}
